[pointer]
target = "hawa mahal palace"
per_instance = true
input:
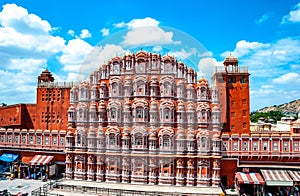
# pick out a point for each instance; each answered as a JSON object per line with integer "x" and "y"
{"x": 146, "y": 119}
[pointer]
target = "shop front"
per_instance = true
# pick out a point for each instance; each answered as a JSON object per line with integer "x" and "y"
{"x": 249, "y": 183}
{"x": 42, "y": 167}
{"x": 278, "y": 182}
{"x": 295, "y": 175}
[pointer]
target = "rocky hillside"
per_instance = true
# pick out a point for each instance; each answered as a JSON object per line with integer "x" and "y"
{"x": 291, "y": 108}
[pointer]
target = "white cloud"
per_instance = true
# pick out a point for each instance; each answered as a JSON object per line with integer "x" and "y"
{"x": 267, "y": 86}
{"x": 206, "y": 54}
{"x": 263, "y": 18}
{"x": 100, "y": 55}
{"x": 18, "y": 18}
{"x": 244, "y": 47}
{"x": 148, "y": 36}
{"x": 71, "y": 32}
{"x": 145, "y": 32}
{"x": 25, "y": 44}
{"x": 120, "y": 25}
{"x": 288, "y": 78}
{"x": 157, "y": 48}
{"x": 183, "y": 54}
{"x": 85, "y": 34}
{"x": 74, "y": 54}
{"x": 105, "y": 32}
{"x": 206, "y": 67}
{"x": 80, "y": 58}
{"x": 137, "y": 23}
{"x": 293, "y": 16}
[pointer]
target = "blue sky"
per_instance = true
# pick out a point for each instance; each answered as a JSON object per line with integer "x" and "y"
{"x": 71, "y": 38}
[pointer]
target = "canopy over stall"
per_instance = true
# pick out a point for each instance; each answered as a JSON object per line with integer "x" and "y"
{"x": 277, "y": 178}
{"x": 8, "y": 157}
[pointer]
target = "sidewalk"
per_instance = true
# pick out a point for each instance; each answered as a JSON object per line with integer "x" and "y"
{"x": 20, "y": 185}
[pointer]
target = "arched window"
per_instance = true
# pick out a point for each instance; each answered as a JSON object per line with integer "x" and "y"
{"x": 203, "y": 142}
{"x": 128, "y": 65}
{"x": 139, "y": 112}
{"x": 154, "y": 64}
{"x": 112, "y": 140}
{"x": 115, "y": 89}
{"x": 166, "y": 142}
{"x": 168, "y": 67}
{"x": 141, "y": 65}
{"x": 113, "y": 113}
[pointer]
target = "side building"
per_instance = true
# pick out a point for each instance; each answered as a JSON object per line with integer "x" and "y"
{"x": 144, "y": 119}
{"x": 30, "y": 130}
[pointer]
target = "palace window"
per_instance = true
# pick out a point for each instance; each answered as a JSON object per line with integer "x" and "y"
{"x": 62, "y": 141}
{"x": 31, "y": 139}
{"x": 286, "y": 146}
{"x": 265, "y": 146}
{"x": 24, "y": 139}
{"x": 275, "y": 146}
{"x": 38, "y": 140}
{"x": 245, "y": 145}
{"x": 113, "y": 113}
{"x": 54, "y": 140}
{"x": 2, "y": 138}
{"x": 243, "y": 80}
{"x": 231, "y": 79}
{"x": 115, "y": 89}
{"x": 168, "y": 68}
{"x": 235, "y": 146}
{"x": 296, "y": 146}
{"x": 255, "y": 146}
{"x": 138, "y": 140}
{"x": 166, "y": 113}
{"x": 154, "y": 64}
{"x": 128, "y": 65}
{"x": 112, "y": 139}
{"x": 224, "y": 146}
{"x": 139, "y": 112}
{"x": 46, "y": 141}
{"x": 220, "y": 79}
{"x": 16, "y": 139}
{"x": 203, "y": 142}
{"x": 9, "y": 139}
{"x": 244, "y": 112}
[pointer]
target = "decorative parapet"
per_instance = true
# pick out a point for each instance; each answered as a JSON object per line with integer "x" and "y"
{"x": 32, "y": 139}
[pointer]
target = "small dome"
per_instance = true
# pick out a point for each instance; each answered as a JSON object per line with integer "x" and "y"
{"x": 167, "y": 58}
{"x": 202, "y": 82}
{"x": 231, "y": 60}
{"x": 191, "y": 70}
{"x": 180, "y": 64}
{"x": 141, "y": 54}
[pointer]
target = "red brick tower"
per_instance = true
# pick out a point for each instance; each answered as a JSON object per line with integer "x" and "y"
{"x": 53, "y": 101}
{"x": 232, "y": 82}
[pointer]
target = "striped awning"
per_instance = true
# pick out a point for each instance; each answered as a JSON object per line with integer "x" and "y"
{"x": 277, "y": 178}
{"x": 295, "y": 175}
{"x": 249, "y": 178}
{"x": 41, "y": 160}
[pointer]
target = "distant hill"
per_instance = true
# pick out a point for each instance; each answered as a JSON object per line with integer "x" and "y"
{"x": 287, "y": 109}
